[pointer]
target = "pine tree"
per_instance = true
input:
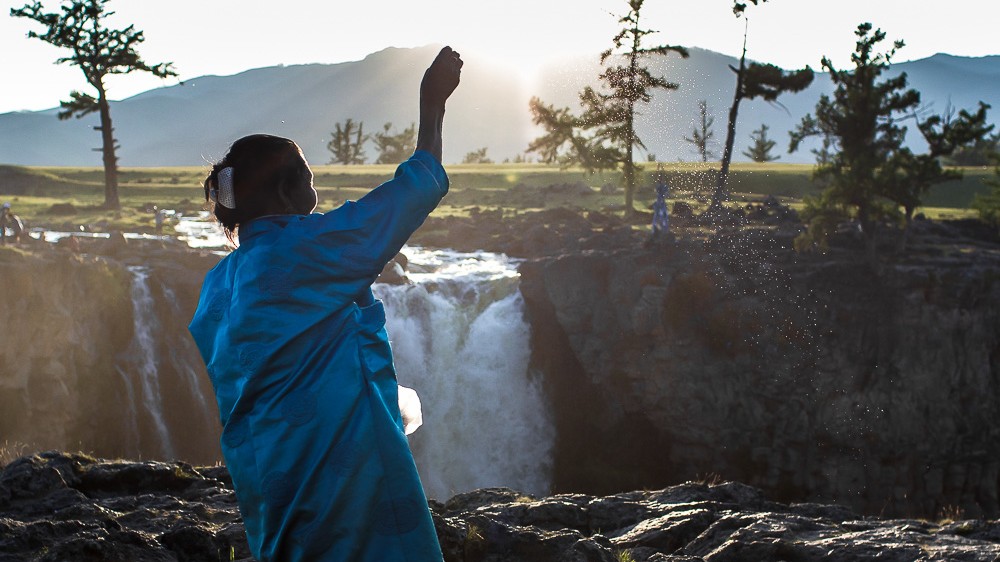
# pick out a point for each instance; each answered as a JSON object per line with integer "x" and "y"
{"x": 861, "y": 126}
{"x": 979, "y": 153}
{"x": 393, "y": 148}
{"x": 603, "y": 136}
{"x": 868, "y": 172}
{"x": 760, "y": 150}
{"x": 346, "y": 146}
{"x": 477, "y": 157}
{"x": 988, "y": 204}
{"x": 915, "y": 174}
{"x": 740, "y": 7}
{"x": 98, "y": 51}
{"x": 702, "y": 134}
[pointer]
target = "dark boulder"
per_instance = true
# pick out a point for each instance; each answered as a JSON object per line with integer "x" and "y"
{"x": 57, "y": 506}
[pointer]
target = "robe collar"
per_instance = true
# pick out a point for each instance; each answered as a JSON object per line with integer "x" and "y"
{"x": 267, "y": 223}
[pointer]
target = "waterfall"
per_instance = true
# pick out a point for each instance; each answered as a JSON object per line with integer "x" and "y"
{"x": 143, "y": 356}
{"x": 132, "y": 414}
{"x": 182, "y": 353}
{"x": 460, "y": 339}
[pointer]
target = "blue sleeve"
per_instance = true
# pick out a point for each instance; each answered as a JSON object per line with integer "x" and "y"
{"x": 373, "y": 229}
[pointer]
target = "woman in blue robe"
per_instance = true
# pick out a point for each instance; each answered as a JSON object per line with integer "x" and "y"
{"x": 298, "y": 355}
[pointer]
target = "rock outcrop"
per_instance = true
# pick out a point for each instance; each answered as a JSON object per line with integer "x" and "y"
{"x": 74, "y": 373}
{"x": 57, "y": 507}
{"x": 809, "y": 376}
{"x": 60, "y": 338}
{"x": 532, "y": 234}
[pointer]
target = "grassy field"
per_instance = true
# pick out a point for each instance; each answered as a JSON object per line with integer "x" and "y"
{"x": 516, "y": 187}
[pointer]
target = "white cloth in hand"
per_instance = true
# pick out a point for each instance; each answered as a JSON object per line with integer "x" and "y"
{"x": 409, "y": 408}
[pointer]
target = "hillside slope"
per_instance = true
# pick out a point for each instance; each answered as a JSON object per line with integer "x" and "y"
{"x": 194, "y": 122}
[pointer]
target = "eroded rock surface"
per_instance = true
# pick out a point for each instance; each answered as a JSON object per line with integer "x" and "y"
{"x": 69, "y": 349}
{"x": 725, "y": 352}
{"x": 57, "y": 507}
{"x": 811, "y": 376}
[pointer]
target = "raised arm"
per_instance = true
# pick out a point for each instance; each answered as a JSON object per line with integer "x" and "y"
{"x": 360, "y": 237}
{"x": 439, "y": 81}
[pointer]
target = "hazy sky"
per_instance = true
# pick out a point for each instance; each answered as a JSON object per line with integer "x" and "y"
{"x": 228, "y": 36}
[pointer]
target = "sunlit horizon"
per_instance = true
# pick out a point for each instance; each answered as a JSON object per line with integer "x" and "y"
{"x": 226, "y": 37}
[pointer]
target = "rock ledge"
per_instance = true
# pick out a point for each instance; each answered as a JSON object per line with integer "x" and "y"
{"x": 57, "y": 506}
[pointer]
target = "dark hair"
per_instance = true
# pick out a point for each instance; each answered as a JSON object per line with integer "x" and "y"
{"x": 270, "y": 177}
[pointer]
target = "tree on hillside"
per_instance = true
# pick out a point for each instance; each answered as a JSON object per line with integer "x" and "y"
{"x": 477, "y": 157}
{"x": 702, "y": 134}
{"x": 347, "y": 143}
{"x": 979, "y": 153}
{"x": 562, "y": 142}
{"x": 393, "y": 148}
{"x": 760, "y": 150}
{"x": 754, "y": 80}
{"x": 988, "y": 204}
{"x": 915, "y": 174}
{"x": 861, "y": 125}
{"x": 867, "y": 171}
{"x": 603, "y": 136}
{"x": 99, "y": 51}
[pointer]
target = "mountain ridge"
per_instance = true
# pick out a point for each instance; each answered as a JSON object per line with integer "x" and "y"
{"x": 194, "y": 121}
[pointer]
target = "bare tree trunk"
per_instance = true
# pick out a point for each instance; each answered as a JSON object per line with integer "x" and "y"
{"x": 727, "y": 152}
{"x": 904, "y": 237}
{"x": 108, "y": 152}
{"x": 629, "y": 173}
{"x": 869, "y": 236}
{"x": 627, "y": 170}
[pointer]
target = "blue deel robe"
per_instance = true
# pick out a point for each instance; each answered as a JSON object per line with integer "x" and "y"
{"x": 298, "y": 355}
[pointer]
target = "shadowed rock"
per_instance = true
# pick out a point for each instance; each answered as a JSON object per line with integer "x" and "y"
{"x": 810, "y": 376}
{"x": 57, "y": 506}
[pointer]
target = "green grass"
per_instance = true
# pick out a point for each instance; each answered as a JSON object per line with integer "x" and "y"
{"x": 623, "y": 555}
{"x": 513, "y": 187}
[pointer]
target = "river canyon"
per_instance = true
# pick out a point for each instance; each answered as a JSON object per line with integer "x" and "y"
{"x": 598, "y": 371}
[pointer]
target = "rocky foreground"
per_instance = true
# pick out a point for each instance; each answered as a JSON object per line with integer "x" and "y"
{"x": 56, "y": 507}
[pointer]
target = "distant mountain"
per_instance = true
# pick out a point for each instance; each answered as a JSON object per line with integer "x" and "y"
{"x": 941, "y": 79}
{"x": 192, "y": 123}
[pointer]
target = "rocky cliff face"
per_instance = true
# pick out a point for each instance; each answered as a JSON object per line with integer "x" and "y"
{"x": 74, "y": 374}
{"x": 59, "y": 341}
{"x": 56, "y": 507}
{"x": 811, "y": 377}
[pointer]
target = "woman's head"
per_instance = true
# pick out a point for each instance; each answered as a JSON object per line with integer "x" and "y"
{"x": 269, "y": 176}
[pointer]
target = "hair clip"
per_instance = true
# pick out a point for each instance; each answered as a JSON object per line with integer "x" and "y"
{"x": 224, "y": 194}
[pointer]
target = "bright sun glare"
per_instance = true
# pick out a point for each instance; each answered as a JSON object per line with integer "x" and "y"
{"x": 522, "y": 35}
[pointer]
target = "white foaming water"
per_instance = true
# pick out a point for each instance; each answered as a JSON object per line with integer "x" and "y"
{"x": 459, "y": 338}
{"x": 197, "y": 231}
{"x": 132, "y": 432}
{"x": 180, "y": 356}
{"x": 200, "y": 231}
{"x": 143, "y": 350}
